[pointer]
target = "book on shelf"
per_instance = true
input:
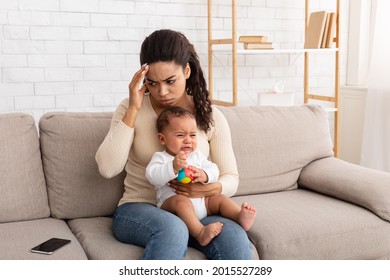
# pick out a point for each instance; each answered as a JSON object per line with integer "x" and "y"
{"x": 315, "y": 30}
{"x": 258, "y": 46}
{"x": 253, "y": 39}
{"x": 330, "y": 30}
{"x": 325, "y": 33}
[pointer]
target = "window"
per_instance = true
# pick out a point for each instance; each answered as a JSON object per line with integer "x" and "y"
{"x": 359, "y": 42}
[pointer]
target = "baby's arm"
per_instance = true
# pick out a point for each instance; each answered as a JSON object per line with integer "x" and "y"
{"x": 208, "y": 171}
{"x": 199, "y": 175}
{"x": 179, "y": 162}
{"x": 159, "y": 170}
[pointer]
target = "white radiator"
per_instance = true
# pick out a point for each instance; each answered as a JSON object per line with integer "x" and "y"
{"x": 352, "y": 102}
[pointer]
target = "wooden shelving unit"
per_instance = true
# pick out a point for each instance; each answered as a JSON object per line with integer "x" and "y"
{"x": 232, "y": 41}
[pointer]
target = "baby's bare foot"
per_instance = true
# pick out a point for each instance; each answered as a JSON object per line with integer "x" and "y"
{"x": 208, "y": 232}
{"x": 247, "y": 216}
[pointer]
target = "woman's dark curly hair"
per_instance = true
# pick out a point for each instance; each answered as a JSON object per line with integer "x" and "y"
{"x": 171, "y": 46}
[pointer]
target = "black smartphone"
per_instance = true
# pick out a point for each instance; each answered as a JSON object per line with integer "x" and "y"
{"x": 50, "y": 246}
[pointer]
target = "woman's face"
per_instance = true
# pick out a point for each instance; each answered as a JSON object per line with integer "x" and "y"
{"x": 166, "y": 82}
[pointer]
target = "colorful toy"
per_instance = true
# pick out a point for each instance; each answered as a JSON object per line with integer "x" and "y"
{"x": 185, "y": 175}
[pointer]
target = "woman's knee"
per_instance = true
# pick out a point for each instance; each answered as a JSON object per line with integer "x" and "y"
{"x": 142, "y": 222}
{"x": 167, "y": 227}
{"x": 169, "y": 239}
{"x": 232, "y": 243}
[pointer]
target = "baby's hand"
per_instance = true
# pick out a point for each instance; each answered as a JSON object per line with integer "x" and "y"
{"x": 180, "y": 161}
{"x": 199, "y": 175}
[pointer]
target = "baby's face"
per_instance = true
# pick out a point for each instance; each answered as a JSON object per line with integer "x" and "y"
{"x": 180, "y": 135}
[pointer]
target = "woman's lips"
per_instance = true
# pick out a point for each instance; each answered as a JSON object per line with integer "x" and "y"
{"x": 167, "y": 101}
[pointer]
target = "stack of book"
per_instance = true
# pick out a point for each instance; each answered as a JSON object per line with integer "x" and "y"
{"x": 255, "y": 42}
{"x": 320, "y": 30}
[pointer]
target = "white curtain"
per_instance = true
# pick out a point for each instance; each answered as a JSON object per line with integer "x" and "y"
{"x": 376, "y": 132}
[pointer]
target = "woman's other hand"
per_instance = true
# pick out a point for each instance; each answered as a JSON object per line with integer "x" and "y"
{"x": 195, "y": 190}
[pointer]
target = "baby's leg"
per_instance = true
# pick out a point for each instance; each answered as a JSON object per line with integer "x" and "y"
{"x": 247, "y": 216}
{"x": 181, "y": 206}
{"x": 220, "y": 204}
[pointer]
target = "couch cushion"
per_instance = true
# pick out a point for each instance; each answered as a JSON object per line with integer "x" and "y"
{"x": 18, "y": 238}
{"x": 69, "y": 142}
{"x": 302, "y": 224}
{"x": 22, "y": 183}
{"x": 99, "y": 243}
{"x": 273, "y": 144}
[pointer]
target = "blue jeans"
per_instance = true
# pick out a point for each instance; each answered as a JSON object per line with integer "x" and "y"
{"x": 165, "y": 236}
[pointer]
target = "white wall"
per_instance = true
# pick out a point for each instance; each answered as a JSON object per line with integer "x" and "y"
{"x": 79, "y": 55}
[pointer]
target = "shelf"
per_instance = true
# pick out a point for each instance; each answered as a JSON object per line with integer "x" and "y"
{"x": 329, "y": 50}
{"x": 222, "y": 45}
{"x": 328, "y": 109}
{"x": 276, "y": 51}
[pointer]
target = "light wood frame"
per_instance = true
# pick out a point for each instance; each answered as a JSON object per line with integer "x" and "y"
{"x": 307, "y": 95}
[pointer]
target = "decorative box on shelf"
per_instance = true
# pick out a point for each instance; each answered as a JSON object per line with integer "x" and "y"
{"x": 275, "y": 99}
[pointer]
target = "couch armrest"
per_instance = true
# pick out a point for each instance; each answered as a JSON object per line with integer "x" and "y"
{"x": 353, "y": 183}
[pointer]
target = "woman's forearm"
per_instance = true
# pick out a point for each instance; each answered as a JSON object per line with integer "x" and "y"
{"x": 130, "y": 117}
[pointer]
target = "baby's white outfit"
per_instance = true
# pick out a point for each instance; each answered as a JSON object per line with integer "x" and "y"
{"x": 160, "y": 171}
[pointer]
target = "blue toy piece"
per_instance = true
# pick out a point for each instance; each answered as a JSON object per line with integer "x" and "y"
{"x": 185, "y": 175}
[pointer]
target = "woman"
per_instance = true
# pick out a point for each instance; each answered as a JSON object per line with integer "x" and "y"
{"x": 171, "y": 76}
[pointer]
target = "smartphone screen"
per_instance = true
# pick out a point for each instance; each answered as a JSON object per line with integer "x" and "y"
{"x": 48, "y": 247}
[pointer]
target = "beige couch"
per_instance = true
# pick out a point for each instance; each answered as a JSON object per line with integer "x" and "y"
{"x": 310, "y": 205}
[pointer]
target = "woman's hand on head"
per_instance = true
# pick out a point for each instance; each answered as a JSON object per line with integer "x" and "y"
{"x": 136, "y": 94}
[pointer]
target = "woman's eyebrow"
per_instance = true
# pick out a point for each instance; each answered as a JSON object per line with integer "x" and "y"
{"x": 150, "y": 80}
